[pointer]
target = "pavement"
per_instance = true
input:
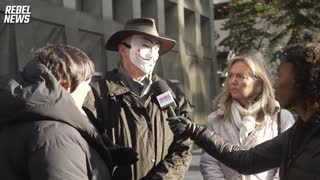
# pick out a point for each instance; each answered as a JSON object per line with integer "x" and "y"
{"x": 194, "y": 170}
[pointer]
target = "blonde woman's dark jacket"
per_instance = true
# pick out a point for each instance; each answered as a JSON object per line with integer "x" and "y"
{"x": 43, "y": 134}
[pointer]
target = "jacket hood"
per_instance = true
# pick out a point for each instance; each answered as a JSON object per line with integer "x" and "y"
{"x": 35, "y": 92}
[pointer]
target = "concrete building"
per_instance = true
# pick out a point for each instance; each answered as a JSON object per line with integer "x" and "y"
{"x": 221, "y": 13}
{"x": 87, "y": 24}
{"x": 220, "y": 17}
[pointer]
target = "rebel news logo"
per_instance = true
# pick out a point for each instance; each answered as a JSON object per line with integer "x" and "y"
{"x": 17, "y": 14}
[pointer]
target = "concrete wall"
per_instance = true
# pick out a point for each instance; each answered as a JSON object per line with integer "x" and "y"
{"x": 87, "y": 24}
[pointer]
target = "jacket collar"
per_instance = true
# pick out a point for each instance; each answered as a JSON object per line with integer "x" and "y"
{"x": 117, "y": 86}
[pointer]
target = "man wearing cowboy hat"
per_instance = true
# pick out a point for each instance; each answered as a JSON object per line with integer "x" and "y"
{"x": 122, "y": 105}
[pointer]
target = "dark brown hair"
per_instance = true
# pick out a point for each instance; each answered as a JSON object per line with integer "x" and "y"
{"x": 306, "y": 61}
{"x": 69, "y": 65}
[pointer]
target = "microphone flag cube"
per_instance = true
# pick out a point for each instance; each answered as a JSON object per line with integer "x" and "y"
{"x": 166, "y": 99}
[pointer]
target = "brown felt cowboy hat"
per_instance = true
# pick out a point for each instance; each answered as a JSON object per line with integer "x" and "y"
{"x": 140, "y": 26}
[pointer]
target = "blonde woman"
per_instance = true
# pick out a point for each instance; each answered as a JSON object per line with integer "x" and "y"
{"x": 246, "y": 114}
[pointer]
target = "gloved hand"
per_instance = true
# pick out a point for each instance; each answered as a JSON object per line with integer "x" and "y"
{"x": 183, "y": 126}
{"x": 123, "y": 156}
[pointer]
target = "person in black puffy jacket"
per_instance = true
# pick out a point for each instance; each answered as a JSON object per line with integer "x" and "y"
{"x": 44, "y": 133}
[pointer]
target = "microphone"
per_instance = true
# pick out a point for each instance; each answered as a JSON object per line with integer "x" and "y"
{"x": 164, "y": 96}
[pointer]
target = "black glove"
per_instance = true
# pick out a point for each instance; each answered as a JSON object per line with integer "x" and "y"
{"x": 184, "y": 127}
{"x": 123, "y": 156}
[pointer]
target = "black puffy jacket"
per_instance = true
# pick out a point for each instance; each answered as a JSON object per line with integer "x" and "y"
{"x": 43, "y": 134}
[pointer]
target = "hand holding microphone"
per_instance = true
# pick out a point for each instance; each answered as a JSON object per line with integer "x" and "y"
{"x": 179, "y": 125}
{"x": 183, "y": 126}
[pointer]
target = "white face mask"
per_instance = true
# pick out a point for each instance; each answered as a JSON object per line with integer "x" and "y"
{"x": 144, "y": 53}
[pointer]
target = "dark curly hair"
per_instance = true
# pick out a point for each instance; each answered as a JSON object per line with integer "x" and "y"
{"x": 306, "y": 61}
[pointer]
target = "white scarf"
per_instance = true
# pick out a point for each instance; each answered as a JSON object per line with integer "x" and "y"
{"x": 245, "y": 119}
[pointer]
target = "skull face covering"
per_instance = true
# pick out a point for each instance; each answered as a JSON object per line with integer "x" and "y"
{"x": 144, "y": 53}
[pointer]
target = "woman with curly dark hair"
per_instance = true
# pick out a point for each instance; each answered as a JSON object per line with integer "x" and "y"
{"x": 297, "y": 150}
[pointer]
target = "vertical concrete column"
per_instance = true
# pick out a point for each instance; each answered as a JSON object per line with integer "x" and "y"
{"x": 161, "y": 17}
{"x": 180, "y": 6}
{"x": 71, "y": 28}
{"x": 182, "y": 49}
{"x": 202, "y": 85}
{"x": 149, "y": 8}
{"x": 123, "y": 9}
{"x": 107, "y": 11}
{"x": 113, "y": 58}
{"x": 92, "y": 7}
{"x": 136, "y": 8}
{"x": 24, "y": 43}
{"x": 215, "y": 82}
{"x": 198, "y": 34}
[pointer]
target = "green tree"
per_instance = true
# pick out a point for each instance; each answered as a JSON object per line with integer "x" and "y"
{"x": 267, "y": 25}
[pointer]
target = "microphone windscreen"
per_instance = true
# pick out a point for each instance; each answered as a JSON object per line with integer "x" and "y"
{"x": 159, "y": 87}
